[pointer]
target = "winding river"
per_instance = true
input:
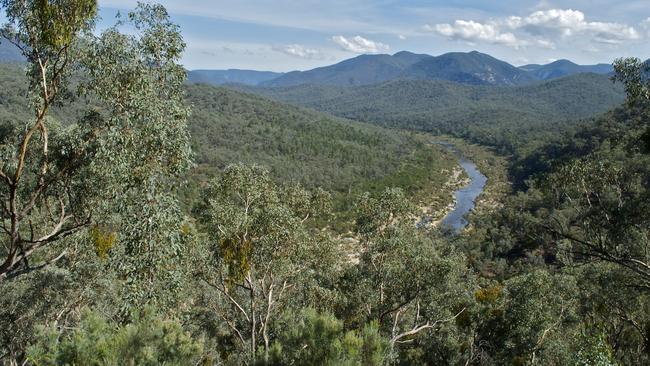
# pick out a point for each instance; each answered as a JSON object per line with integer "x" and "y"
{"x": 455, "y": 221}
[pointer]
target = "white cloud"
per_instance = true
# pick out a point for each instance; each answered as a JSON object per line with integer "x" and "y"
{"x": 401, "y": 36}
{"x": 358, "y": 44}
{"x": 569, "y": 22}
{"x": 537, "y": 29}
{"x": 299, "y": 51}
{"x": 472, "y": 31}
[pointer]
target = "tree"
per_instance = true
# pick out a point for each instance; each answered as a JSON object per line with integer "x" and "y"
{"x": 265, "y": 256}
{"x": 406, "y": 282}
{"x": 525, "y": 315}
{"x": 126, "y": 150}
{"x": 633, "y": 73}
{"x": 599, "y": 204}
{"x": 312, "y": 338}
{"x": 101, "y": 176}
{"x": 635, "y": 76}
{"x": 148, "y": 340}
{"x": 143, "y": 151}
{"x": 33, "y": 172}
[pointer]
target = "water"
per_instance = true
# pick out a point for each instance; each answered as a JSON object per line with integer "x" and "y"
{"x": 456, "y": 220}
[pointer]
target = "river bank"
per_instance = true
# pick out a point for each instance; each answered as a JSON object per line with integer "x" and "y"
{"x": 478, "y": 184}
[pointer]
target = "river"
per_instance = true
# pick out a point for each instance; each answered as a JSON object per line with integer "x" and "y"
{"x": 456, "y": 220}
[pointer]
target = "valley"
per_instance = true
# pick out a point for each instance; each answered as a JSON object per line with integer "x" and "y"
{"x": 355, "y": 206}
{"x": 465, "y": 197}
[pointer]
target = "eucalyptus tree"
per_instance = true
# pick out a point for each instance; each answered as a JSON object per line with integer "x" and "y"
{"x": 36, "y": 211}
{"x": 266, "y": 259}
{"x": 600, "y": 207}
{"x": 101, "y": 178}
{"x": 633, "y": 73}
{"x": 111, "y": 168}
{"x": 148, "y": 340}
{"x": 313, "y": 338}
{"x": 407, "y": 282}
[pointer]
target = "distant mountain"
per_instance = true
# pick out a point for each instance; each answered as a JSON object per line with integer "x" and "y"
{"x": 219, "y": 77}
{"x": 472, "y": 68}
{"x": 562, "y": 68}
{"x": 360, "y": 70}
{"x": 468, "y": 68}
{"x": 10, "y": 53}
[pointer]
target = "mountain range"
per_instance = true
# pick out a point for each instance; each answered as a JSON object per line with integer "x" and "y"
{"x": 473, "y": 68}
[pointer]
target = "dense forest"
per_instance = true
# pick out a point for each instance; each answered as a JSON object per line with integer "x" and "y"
{"x": 502, "y": 117}
{"x": 147, "y": 221}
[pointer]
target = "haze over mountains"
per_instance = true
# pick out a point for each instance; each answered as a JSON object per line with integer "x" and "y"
{"x": 9, "y": 53}
{"x": 218, "y": 77}
{"x": 472, "y": 68}
{"x": 561, "y": 68}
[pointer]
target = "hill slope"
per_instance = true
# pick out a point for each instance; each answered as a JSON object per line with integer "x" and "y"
{"x": 296, "y": 144}
{"x": 473, "y": 68}
{"x": 470, "y": 68}
{"x": 498, "y": 116}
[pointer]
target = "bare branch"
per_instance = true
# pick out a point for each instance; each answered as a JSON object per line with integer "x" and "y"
{"x": 427, "y": 325}
{"x": 230, "y": 298}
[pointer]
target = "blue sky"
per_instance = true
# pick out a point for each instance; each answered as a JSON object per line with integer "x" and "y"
{"x": 284, "y": 35}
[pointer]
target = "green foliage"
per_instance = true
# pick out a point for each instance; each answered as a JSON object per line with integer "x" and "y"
{"x": 375, "y": 215}
{"x": 414, "y": 287}
{"x": 296, "y": 145}
{"x": 145, "y": 150}
{"x": 148, "y": 340}
{"x": 313, "y": 338}
{"x": 51, "y": 25}
{"x": 108, "y": 159}
{"x": 633, "y": 73}
{"x": 59, "y": 20}
{"x": 265, "y": 258}
{"x": 595, "y": 352}
{"x": 506, "y": 118}
{"x": 33, "y": 298}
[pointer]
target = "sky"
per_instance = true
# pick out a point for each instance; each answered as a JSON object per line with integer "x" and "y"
{"x": 285, "y": 35}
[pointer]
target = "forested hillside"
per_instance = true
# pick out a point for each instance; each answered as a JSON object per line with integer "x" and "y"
{"x": 360, "y": 70}
{"x": 502, "y": 117}
{"x": 297, "y": 145}
{"x": 146, "y": 221}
